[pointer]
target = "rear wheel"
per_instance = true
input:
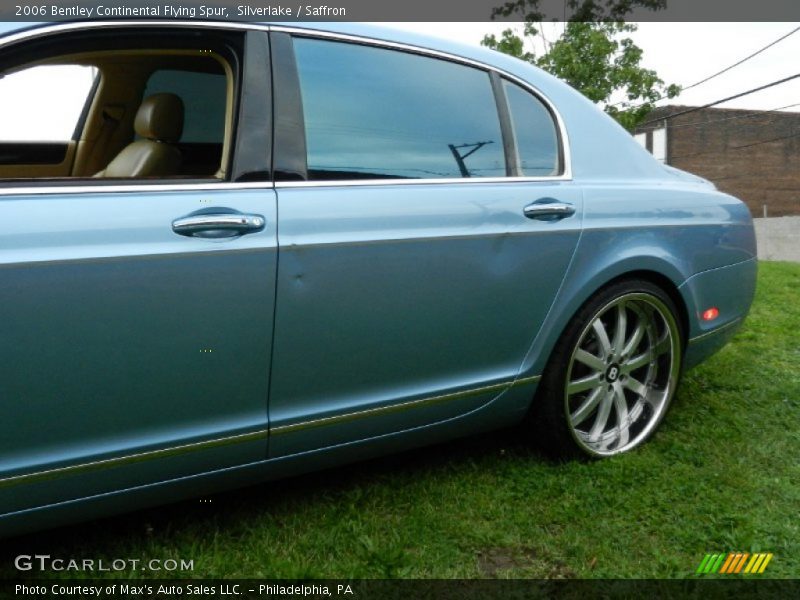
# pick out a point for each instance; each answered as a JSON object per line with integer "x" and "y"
{"x": 612, "y": 374}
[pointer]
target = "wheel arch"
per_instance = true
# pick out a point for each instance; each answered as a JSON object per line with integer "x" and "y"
{"x": 667, "y": 285}
{"x": 579, "y": 287}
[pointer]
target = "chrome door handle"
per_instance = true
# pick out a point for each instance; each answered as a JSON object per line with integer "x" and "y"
{"x": 548, "y": 210}
{"x": 218, "y": 225}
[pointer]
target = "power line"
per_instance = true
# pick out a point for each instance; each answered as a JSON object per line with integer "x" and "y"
{"x": 734, "y": 97}
{"x": 741, "y": 147}
{"x": 460, "y": 158}
{"x": 725, "y": 70}
{"x": 772, "y": 186}
{"x": 749, "y": 115}
{"x": 776, "y": 139}
{"x": 744, "y": 60}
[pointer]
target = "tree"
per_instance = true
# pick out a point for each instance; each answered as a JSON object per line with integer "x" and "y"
{"x": 592, "y": 53}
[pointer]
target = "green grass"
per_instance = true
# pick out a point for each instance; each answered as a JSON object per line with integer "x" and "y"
{"x": 722, "y": 474}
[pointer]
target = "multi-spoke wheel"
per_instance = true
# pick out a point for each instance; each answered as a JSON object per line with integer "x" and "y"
{"x": 614, "y": 371}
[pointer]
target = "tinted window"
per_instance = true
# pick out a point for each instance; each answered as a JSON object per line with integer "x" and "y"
{"x": 204, "y": 99}
{"x": 535, "y": 133}
{"x": 371, "y": 112}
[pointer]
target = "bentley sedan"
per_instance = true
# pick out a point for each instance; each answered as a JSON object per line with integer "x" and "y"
{"x": 235, "y": 252}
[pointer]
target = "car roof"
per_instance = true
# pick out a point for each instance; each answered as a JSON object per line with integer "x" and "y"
{"x": 374, "y": 31}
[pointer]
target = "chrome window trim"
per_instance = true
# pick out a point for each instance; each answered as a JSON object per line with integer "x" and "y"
{"x": 113, "y": 188}
{"x": 100, "y": 188}
{"x": 144, "y": 187}
{"x": 391, "y": 182}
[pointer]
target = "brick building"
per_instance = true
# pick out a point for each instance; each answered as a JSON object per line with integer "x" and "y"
{"x": 754, "y": 155}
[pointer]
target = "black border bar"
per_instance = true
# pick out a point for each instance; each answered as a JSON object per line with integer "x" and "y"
{"x": 293, "y": 11}
{"x": 458, "y": 589}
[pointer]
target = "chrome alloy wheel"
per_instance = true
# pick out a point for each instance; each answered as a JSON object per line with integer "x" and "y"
{"x": 622, "y": 374}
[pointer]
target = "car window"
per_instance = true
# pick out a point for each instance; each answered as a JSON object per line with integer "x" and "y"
{"x": 204, "y": 98}
{"x": 376, "y": 113}
{"x": 184, "y": 97}
{"x": 32, "y": 113}
{"x": 534, "y": 132}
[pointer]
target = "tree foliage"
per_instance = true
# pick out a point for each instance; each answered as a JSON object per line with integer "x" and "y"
{"x": 593, "y": 53}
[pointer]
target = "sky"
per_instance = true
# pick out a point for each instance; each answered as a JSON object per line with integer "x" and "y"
{"x": 28, "y": 110}
{"x": 684, "y": 53}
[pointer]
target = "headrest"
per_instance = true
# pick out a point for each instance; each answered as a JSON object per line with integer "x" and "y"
{"x": 160, "y": 117}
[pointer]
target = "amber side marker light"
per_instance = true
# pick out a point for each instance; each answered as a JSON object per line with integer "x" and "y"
{"x": 710, "y": 314}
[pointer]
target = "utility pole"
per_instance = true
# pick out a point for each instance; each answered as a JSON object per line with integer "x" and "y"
{"x": 460, "y": 157}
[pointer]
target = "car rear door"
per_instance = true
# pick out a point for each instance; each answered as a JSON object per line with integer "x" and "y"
{"x": 135, "y": 341}
{"x": 418, "y": 257}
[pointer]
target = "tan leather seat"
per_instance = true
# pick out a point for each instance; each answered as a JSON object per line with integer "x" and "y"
{"x": 159, "y": 121}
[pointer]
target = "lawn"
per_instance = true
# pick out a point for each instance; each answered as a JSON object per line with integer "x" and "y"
{"x": 722, "y": 474}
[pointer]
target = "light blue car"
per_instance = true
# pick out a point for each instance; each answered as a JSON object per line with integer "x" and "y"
{"x": 235, "y": 252}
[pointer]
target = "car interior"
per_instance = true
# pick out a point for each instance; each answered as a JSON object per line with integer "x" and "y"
{"x": 161, "y": 107}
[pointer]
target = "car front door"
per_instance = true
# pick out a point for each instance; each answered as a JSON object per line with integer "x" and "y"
{"x": 137, "y": 326}
{"x": 414, "y": 274}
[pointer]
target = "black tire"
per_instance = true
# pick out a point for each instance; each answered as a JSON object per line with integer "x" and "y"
{"x": 602, "y": 394}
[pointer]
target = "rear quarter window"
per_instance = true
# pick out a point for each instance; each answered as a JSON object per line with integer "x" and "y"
{"x": 535, "y": 133}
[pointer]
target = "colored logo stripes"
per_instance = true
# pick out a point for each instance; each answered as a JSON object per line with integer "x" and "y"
{"x": 734, "y": 562}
